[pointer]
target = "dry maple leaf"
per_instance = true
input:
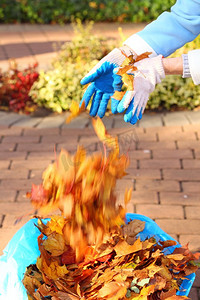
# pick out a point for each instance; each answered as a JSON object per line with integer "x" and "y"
{"x": 75, "y": 110}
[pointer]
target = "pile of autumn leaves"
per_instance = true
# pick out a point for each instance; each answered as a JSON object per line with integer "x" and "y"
{"x": 88, "y": 252}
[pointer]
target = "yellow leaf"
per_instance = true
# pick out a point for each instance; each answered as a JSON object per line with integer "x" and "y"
{"x": 75, "y": 110}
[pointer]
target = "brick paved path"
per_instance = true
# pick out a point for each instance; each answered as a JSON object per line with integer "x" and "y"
{"x": 164, "y": 170}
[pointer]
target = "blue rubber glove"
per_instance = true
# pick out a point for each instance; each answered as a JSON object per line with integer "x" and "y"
{"x": 104, "y": 82}
{"x": 103, "y": 85}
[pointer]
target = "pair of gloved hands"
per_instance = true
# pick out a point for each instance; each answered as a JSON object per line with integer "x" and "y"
{"x": 105, "y": 81}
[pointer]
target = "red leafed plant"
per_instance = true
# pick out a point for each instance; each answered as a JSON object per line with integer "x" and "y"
{"x": 15, "y": 85}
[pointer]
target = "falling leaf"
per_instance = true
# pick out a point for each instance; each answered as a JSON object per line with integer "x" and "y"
{"x": 75, "y": 110}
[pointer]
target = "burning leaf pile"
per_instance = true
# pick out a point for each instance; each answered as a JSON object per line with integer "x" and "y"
{"x": 88, "y": 252}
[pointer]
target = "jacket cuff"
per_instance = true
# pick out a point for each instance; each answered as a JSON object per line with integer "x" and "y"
{"x": 194, "y": 65}
{"x": 139, "y": 45}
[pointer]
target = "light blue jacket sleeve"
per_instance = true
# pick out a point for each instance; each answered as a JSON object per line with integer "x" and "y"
{"x": 171, "y": 30}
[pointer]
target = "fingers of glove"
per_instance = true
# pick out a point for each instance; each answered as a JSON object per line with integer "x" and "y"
{"x": 103, "y": 105}
{"x": 128, "y": 114}
{"x": 124, "y": 103}
{"x": 90, "y": 78}
{"x": 87, "y": 95}
{"x": 142, "y": 103}
{"x": 95, "y": 103}
{"x": 114, "y": 105}
{"x": 135, "y": 117}
{"x": 117, "y": 82}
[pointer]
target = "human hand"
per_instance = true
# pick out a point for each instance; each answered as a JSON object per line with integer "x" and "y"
{"x": 103, "y": 83}
{"x": 150, "y": 72}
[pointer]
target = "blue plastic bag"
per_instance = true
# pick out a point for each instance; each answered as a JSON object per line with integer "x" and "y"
{"x": 23, "y": 250}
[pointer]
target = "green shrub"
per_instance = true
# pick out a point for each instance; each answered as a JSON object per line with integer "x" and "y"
{"x": 175, "y": 92}
{"x": 57, "y": 87}
{"x": 61, "y": 11}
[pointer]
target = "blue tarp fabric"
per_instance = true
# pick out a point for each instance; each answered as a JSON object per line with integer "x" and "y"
{"x": 23, "y": 250}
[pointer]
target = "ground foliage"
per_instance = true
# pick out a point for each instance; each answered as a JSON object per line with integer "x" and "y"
{"x": 15, "y": 84}
{"x": 88, "y": 252}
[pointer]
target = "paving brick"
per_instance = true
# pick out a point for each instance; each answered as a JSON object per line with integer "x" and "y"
{"x": 49, "y": 155}
{"x": 28, "y": 122}
{"x": 163, "y": 130}
{"x": 144, "y": 174}
{"x": 7, "y": 195}
{"x": 197, "y": 153}
{"x": 16, "y": 209}
{"x": 160, "y": 211}
{"x": 191, "y": 127}
{"x": 133, "y": 132}
{"x": 52, "y": 122}
{"x": 72, "y": 147}
{"x": 36, "y": 131}
{"x": 37, "y": 174}
{"x": 40, "y": 147}
{"x": 177, "y": 118}
{"x": 13, "y": 155}
{"x": 4, "y": 164}
{"x": 193, "y": 187}
{"x": 179, "y": 226}
{"x": 150, "y": 120}
{"x": 189, "y": 144}
{"x": 10, "y": 220}
{"x": 88, "y": 141}
{"x": 156, "y": 145}
{"x": 193, "y": 294}
{"x": 145, "y": 137}
{"x": 80, "y": 122}
{"x": 191, "y": 163}
{"x": 139, "y": 154}
{"x": 59, "y": 139}
{"x": 5, "y": 236}
{"x": 186, "y": 199}
{"x": 30, "y": 164}
{"x": 4, "y": 147}
{"x": 169, "y": 153}
{"x": 122, "y": 184}
{"x": 14, "y": 174}
{"x": 197, "y": 279}
{"x": 17, "y": 184}
{"x": 10, "y": 131}
{"x": 157, "y": 185}
{"x": 193, "y": 240}
{"x": 193, "y": 116}
{"x": 19, "y": 50}
{"x": 21, "y": 196}
{"x": 77, "y": 132}
{"x": 171, "y": 135}
{"x": 144, "y": 198}
{"x": 182, "y": 175}
{"x": 133, "y": 164}
{"x": 192, "y": 212}
{"x": 160, "y": 164}
{"x": 10, "y": 119}
{"x": 20, "y": 139}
